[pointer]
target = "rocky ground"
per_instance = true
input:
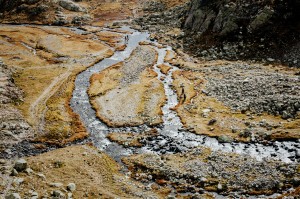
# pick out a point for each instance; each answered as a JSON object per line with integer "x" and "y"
{"x": 247, "y": 102}
{"x": 203, "y": 170}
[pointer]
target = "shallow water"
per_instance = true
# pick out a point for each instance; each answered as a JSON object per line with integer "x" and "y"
{"x": 172, "y": 138}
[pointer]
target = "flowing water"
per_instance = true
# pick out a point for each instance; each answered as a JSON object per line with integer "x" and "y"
{"x": 172, "y": 137}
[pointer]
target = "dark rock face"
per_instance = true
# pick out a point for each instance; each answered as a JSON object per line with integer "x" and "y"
{"x": 249, "y": 29}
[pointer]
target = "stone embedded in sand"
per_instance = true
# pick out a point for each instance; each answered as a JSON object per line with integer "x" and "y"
{"x": 20, "y": 165}
{"x": 224, "y": 138}
{"x": 13, "y": 196}
{"x": 71, "y": 187}
{"x": 55, "y": 184}
{"x": 129, "y": 93}
{"x": 58, "y": 194}
{"x": 14, "y": 172}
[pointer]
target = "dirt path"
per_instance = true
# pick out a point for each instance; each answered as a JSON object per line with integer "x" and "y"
{"x": 38, "y": 107}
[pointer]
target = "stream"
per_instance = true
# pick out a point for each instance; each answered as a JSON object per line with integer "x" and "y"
{"x": 172, "y": 137}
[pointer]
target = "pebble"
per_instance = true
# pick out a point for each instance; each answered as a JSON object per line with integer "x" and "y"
{"x": 18, "y": 181}
{"x": 41, "y": 176}
{"x": 20, "y": 165}
{"x": 212, "y": 122}
{"x": 71, "y": 187}
{"x": 205, "y": 113}
{"x": 13, "y": 196}
{"x": 58, "y": 194}
{"x": 203, "y": 179}
{"x": 55, "y": 184}
{"x": 220, "y": 187}
{"x": 225, "y": 139}
{"x": 70, "y": 195}
{"x": 28, "y": 171}
{"x": 14, "y": 172}
{"x": 34, "y": 195}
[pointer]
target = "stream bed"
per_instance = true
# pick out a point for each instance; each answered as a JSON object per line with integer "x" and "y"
{"x": 172, "y": 137}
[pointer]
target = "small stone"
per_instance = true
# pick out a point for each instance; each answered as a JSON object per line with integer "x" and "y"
{"x": 170, "y": 197}
{"x": 20, "y": 165}
{"x": 271, "y": 59}
{"x": 41, "y": 176}
{"x": 58, "y": 194}
{"x": 55, "y": 184}
{"x": 212, "y": 122}
{"x": 71, "y": 187}
{"x": 2, "y": 161}
{"x": 13, "y": 196}
{"x": 28, "y": 171}
{"x": 34, "y": 195}
{"x": 205, "y": 112}
{"x": 70, "y": 195}
{"x": 233, "y": 130}
{"x": 18, "y": 181}
{"x": 225, "y": 139}
{"x": 14, "y": 172}
{"x": 203, "y": 179}
{"x": 220, "y": 187}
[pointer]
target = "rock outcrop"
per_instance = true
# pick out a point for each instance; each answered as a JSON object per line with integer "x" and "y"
{"x": 260, "y": 30}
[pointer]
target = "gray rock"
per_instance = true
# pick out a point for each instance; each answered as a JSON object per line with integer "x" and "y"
{"x": 71, "y": 6}
{"x": 20, "y": 165}
{"x": 55, "y": 184}
{"x": 34, "y": 195}
{"x": 70, "y": 195}
{"x": 41, "y": 176}
{"x": 71, "y": 187}
{"x": 262, "y": 18}
{"x": 14, "y": 172}
{"x": 18, "y": 181}
{"x": 220, "y": 187}
{"x": 225, "y": 139}
{"x": 298, "y": 153}
{"x": 28, "y": 171}
{"x": 13, "y": 196}
{"x": 270, "y": 59}
{"x": 58, "y": 194}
